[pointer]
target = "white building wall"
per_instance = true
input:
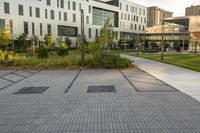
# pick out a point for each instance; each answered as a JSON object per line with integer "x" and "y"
{"x": 18, "y": 21}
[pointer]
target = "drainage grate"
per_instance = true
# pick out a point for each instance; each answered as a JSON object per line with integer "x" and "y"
{"x": 32, "y": 90}
{"x": 100, "y": 89}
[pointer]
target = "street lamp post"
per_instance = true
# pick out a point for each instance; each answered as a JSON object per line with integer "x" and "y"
{"x": 82, "y": 38}
{"x": 162, "y": 43}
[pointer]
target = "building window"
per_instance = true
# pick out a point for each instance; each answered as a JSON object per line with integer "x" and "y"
{"x": 136, "y": 18}
{"x": 2, "y": 23}
{"x": 21, "y": 10}
{"x": 97, "y": 32}
{"x": 52, "y": 14}
{"x": 89, "y": 33}
{"x": 30, "y": 11}
{"x": 67, "y": 31}
{"x": 65, "y": 16}
{"x": 46, "y": 13}
{"x": 37, "y": 12}
{"x": 135, "y": 26}
{"x": 89, "y": 9}
{"x": 49, "y": 28}
{"x": 48, "y": 2}
{"x": 79, "y": 6}
{"x": 26, "y": 28}
{"x": 62, "y": 3}
{"x": 120, "y": 5}
{"x": 6, "y": 8}
{"x": 59, "y": 15}
{"x": 127, "y": 8}
{"x": 74, "y": 5}
{"x": 58, "y": 4}
{"x": 87, "y": 19}
{"x": 74, "y": 17}
{"x": 68, "y": 4}
{"x": 33, "y": 28}
{"x": 41, "y": 29}
{"x": 11, "y": 26}
{"x": 100, "y": 15}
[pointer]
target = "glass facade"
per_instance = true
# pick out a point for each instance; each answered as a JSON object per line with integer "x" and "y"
{"x": 67, "y": 31}
{"x": 100, "y": 15}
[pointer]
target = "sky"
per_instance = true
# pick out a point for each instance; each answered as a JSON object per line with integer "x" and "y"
{"x": 176, "y": 6}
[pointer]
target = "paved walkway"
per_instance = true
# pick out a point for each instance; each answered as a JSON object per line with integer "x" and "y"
{"x": 184, "y": 80}
{"x": 139, "y": 104}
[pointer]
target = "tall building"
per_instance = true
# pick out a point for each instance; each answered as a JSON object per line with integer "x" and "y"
{"x": 192, "y": 10}
{"x": 62, "y": 18}
{"x": 155, "y": 15}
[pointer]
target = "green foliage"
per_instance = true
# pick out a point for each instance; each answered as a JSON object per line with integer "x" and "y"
{"x": 108, "y": 60}
{"x": 63, "y": 49}
{"x": 4, "y": 36}
{"x": 43, "y": 52}
{"x": 107, "y": 34}
{"x": 132, "y": 43}
{"x": 49, "y": 40}
{"x": 122, "y": 43}
{"x": 6, "y": 57}
{"x": 21, "y": 41}
{"x": 93, "y": 48}
{"x": 68, "y": 42}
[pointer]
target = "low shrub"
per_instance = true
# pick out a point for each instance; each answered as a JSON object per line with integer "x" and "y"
{"x": 107, "y": 60}
{"x": 6, "y": 57}
{"x": 63, "y": 50}
{"x": 43, "y": 52}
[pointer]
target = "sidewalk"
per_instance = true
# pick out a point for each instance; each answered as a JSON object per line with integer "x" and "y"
{"x": 186, "y": 81}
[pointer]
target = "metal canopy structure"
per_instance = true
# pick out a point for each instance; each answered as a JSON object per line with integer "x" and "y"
{"x": 178, "y": 20}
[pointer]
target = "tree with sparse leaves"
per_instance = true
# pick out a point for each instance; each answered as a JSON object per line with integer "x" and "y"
{"x": 21, "y": 40}
{"x": 49, "y": 40}
{"x": 107, "y": 34}
{"x": 4, "y": 36}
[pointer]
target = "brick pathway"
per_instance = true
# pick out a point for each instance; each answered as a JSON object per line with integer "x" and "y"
{"x": 141, "y": 104}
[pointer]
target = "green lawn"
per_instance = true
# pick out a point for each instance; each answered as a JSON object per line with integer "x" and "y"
{"x": 189, "y": 61}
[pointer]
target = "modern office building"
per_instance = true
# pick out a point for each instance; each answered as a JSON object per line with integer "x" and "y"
{"x": 155, "y": 15}
{"x": 62, "y": 18}
{"x": 193, "y": 10}
{"x": 179, "y": 32}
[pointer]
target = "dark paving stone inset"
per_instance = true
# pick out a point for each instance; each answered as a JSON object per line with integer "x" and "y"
{"x": 32, "y": 90}
{"x": 101, "y": 89}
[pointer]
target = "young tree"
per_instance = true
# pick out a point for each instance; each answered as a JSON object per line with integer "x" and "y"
{"x": 68, "y": 41}
{"x": 107, "y": 34}
{"x": 49, "y": 40}
{"x": 4, "y": 37}
{"x": 35, "y": 42}
{"x": 22, "y": 40}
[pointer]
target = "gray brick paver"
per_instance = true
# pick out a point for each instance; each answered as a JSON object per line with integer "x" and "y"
{"x": 126, "y": 111}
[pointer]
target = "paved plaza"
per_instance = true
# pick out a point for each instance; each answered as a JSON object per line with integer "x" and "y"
{"x": 122, "y": 101}
{"x": 185, "y": 80}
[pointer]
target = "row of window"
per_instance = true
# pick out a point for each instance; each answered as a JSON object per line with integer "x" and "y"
{"x": 61, "y": 4}
{"x": 134, "y": 9}
{"x": 137, "y": 27}
{"x": 132, "y": 18}
{"x": 37, "y": 10}
{"x": 134, "y": 26}
{"x": 62, "y": 30}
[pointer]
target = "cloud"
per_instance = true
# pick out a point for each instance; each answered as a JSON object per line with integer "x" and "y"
{"x": 176, "y": 6}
